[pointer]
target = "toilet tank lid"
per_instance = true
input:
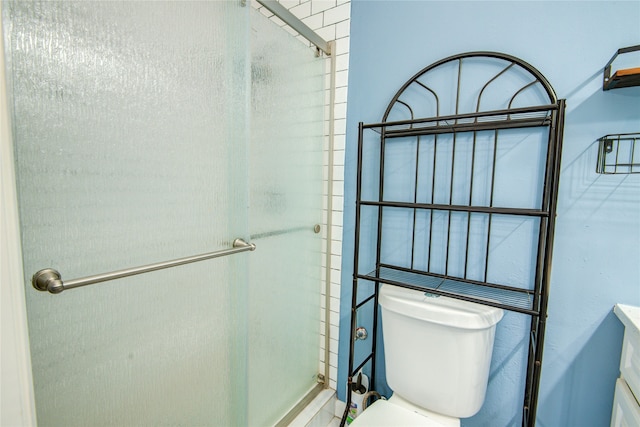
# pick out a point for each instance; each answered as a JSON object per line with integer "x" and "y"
{"x": 440, "y": 310}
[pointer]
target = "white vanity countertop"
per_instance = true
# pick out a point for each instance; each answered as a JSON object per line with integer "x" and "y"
{"x": 628, "y": 315}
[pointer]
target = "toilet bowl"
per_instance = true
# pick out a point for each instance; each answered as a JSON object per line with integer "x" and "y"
{"x": 437, "y": 358}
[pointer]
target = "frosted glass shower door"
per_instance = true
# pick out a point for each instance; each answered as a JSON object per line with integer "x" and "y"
{"x": 129, "y": 123}
{"x": 285, "y": 180}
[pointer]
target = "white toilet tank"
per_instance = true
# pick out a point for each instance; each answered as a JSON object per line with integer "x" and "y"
{"x": 437, "y": 349}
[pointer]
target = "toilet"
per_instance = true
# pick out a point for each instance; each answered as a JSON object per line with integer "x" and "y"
{"x": 437, "y": 358}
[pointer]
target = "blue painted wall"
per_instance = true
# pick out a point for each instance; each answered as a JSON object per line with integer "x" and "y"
{"x": 597, "y": 247}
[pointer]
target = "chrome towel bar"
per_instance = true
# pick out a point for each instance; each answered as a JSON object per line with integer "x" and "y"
{"x": 50, "y": 280}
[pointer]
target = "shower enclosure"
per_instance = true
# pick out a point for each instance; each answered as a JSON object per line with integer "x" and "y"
{"x": 150, "y": 131}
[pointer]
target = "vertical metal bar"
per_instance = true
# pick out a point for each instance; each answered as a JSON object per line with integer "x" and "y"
{"x": 473, "y": 161}
{"x": 535, "y": 322}
{"x": 374, "y": 338}
{"x": 545, "y": 204}
{"x": 352, "y": 344}
{"x": 415, "y": 200}
{"x": 547, "y": 195}
{"x": 380, "y": 197}
{"x": 358, "y": 200}
{"x": 493, "y": 179}
{"x": 543, "y": 268}
{"x": 354, "y": 287}
{"x": 433, "y": 189}
{"x": 531, "y": 368}
{"x": 453, "y": 162}
{"x": 453, "y": 165}
{"x": 329, "y": 234}
{"x": 548, "y": 256}
{"x": 533, "y": 340}
{"x": 600, "y": 163}
{"x": 374, "y": 341}
{"x": 632, "y": 163}
{"x": 615, "y": 164}
{"x": 545, "y": 245}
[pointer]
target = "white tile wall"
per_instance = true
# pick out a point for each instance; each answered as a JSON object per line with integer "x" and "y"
{"x": 331, "y": 20}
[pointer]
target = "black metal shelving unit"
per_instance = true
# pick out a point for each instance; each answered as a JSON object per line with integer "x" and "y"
{"x": 428, "y": 220}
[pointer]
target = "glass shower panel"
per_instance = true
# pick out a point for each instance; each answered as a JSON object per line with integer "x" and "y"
{"x": 285, "y": 203}
{"x": 129, "y": 121}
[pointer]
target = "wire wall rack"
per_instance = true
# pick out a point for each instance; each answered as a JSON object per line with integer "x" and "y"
{"x": 458, "y": 182}
{"x": 617, "y": 154}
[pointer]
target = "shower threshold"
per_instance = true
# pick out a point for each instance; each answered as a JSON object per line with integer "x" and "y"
{"x": 317, "y": 406}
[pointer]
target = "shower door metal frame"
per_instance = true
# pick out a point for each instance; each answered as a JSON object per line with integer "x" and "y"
{"x": 531, "y": 301}
{"x": 291, "y": 20}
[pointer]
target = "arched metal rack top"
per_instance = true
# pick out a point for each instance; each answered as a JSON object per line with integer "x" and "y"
{"x": 506, "y": 64}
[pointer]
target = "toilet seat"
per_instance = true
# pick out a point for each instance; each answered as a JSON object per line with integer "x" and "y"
{"x": 383, "y": 413}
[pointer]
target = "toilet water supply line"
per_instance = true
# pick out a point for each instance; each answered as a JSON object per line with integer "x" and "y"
{"x": 360, "y": 394}
{"x": 367, "y": 395}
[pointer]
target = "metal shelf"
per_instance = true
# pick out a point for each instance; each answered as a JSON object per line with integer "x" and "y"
{"x": 508, "y": 298}
{"x": 625, "y": 77}
{"x": 617, "y": 154}
{"x": 495, "y": 210}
